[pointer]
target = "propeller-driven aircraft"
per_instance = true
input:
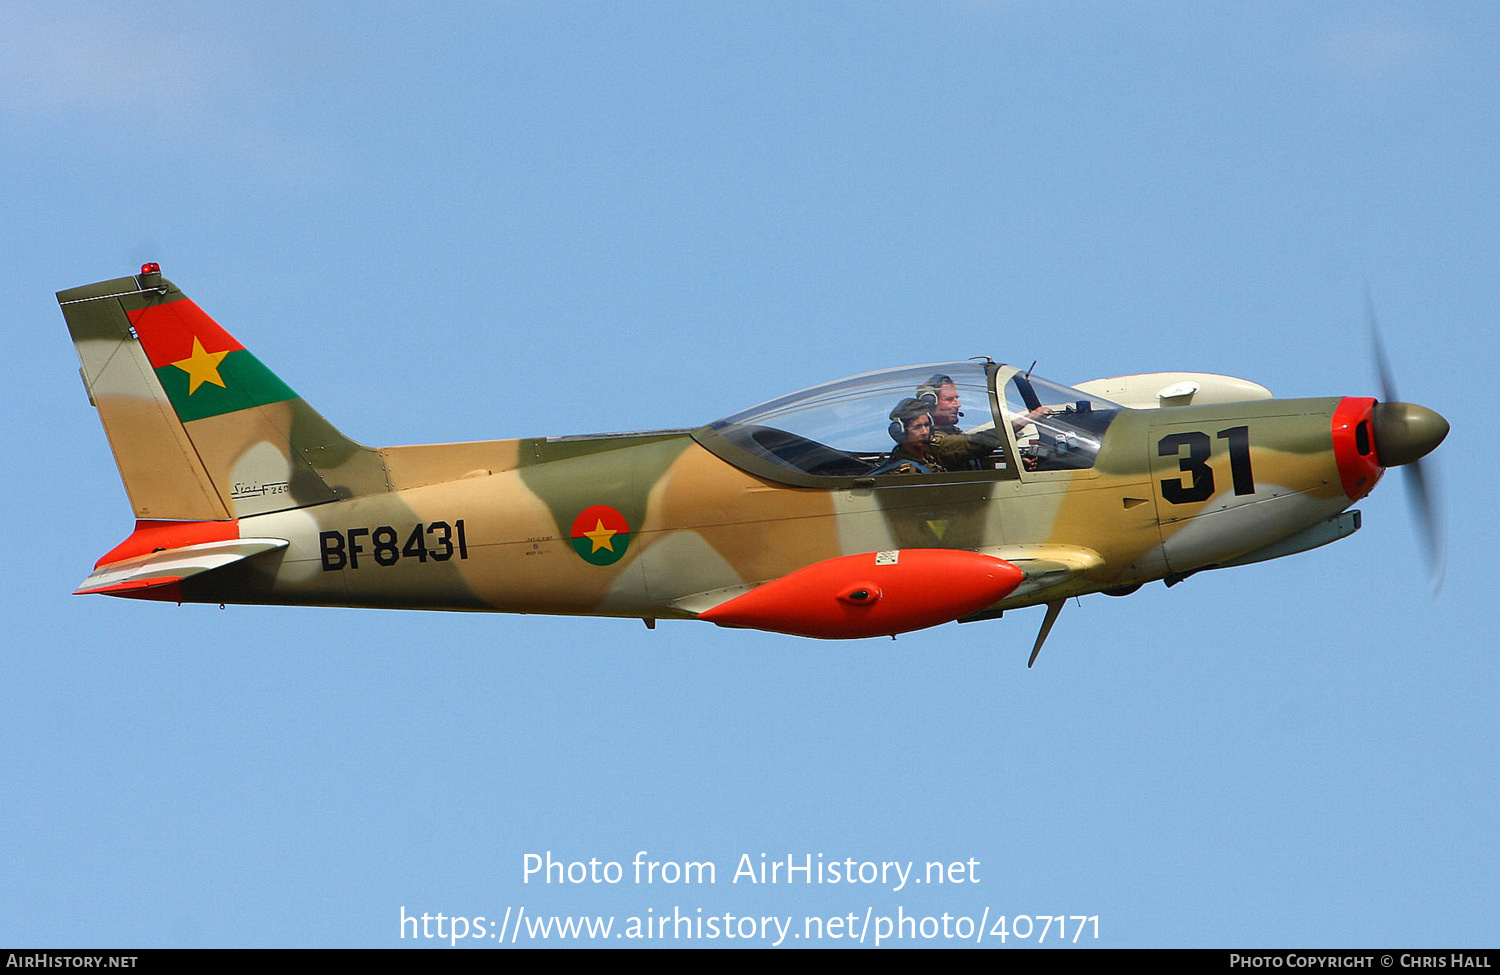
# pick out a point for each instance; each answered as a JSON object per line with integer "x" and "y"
{"x": 870, "y": 506}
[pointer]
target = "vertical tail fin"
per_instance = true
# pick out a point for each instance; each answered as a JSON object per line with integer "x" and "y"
{"x": 200, "y": 429}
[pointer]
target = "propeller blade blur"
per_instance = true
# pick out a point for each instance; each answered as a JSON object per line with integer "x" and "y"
{"x": 1404, "y": 434}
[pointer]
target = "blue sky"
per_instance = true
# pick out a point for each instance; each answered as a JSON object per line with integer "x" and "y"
{"x": 473, "y": 221}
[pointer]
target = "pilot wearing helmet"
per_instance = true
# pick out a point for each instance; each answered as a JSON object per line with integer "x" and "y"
{"x": 911, "y": 428}
{"x": 951, "y": 449}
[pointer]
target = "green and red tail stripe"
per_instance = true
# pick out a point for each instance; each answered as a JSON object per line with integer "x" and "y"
{"x": 201, "y": 367}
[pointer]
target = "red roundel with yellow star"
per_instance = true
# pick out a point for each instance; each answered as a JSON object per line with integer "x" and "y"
{"x": 600, "y": 534}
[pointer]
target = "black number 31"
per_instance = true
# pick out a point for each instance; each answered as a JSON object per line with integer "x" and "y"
{"x": 1196, "y": 463}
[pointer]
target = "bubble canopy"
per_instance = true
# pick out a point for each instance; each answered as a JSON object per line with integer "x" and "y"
{"x": 875, "y": 425}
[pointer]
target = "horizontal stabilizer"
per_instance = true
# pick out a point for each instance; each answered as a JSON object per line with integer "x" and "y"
{"x": 135, "y": 576}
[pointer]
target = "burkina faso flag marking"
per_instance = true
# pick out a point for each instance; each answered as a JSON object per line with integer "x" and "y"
{"x": 600, "y": 534}
{"x": 201, "y": 367}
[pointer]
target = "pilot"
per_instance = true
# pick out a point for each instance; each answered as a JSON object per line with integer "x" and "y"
{"x": 911, "y": 428}
{"x": 951, "y": 448}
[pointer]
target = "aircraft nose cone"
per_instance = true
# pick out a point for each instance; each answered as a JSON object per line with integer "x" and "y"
{"x": 1405, "y": 432}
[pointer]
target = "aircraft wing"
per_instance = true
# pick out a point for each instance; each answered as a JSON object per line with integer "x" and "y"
{"x": 1046, "y": 567}
{"x": 1153, "y": 390}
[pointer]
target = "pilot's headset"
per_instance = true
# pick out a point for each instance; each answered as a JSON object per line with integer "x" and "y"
{"x": 928, "y": 391}
{"x": 905, "y": 412}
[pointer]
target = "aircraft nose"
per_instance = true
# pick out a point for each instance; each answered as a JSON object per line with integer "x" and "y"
{"x": 1405, "y": 432}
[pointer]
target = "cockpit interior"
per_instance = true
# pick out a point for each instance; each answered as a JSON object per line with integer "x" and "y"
{"x": 934, "y": 420}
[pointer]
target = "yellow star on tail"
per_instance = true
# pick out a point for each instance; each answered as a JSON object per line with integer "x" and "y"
{"x": 201, "y": 367}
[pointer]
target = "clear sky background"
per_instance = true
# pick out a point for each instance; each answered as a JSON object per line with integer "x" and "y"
{"x": 474, "y": 221}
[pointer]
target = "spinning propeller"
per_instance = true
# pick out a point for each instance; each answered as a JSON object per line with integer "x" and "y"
{"x": 1404, "y": 434}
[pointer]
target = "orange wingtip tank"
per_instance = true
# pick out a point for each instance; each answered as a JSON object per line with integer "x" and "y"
{"x": 873, "y": 594}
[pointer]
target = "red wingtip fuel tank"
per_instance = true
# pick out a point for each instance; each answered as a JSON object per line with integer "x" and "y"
{"x": 874, "y": 594}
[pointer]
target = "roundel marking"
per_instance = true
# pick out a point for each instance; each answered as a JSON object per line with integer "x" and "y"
{"x": 600, "y": 534}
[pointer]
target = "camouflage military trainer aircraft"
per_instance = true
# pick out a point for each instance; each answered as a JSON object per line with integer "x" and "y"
{"x": 869, "y": 506}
